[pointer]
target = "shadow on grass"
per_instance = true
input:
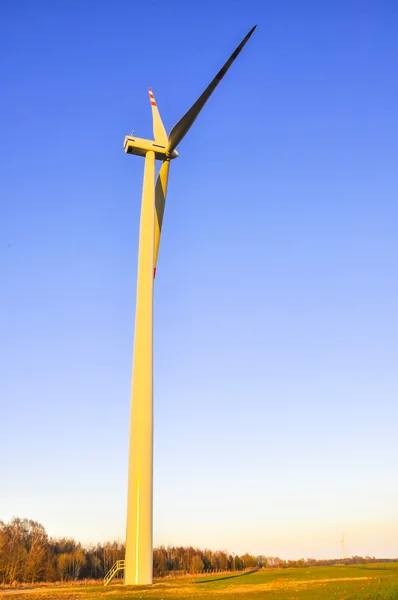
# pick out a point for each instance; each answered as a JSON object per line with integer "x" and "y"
{"x": 226, "y": 577}
{"x": 375, "y": 566}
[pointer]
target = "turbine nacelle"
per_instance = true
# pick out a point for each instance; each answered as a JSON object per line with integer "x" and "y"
{"x": 139, "y": 146}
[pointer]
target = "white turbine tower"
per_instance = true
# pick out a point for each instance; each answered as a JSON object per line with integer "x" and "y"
{"x": 138, "y": 560}
{"x": 342, "y": 546}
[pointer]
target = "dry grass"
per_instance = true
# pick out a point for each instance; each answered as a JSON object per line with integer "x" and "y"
{"x": 160, "y": 590}
{"x": 329, "y": 583}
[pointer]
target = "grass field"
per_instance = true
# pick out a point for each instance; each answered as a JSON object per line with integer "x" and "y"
{"x": 354, "y": 582}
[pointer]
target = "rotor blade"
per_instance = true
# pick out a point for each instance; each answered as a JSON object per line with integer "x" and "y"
{"x": 181, "y": 128}
{"x": 159, "y": 132}
{"x": 160, "y": 201}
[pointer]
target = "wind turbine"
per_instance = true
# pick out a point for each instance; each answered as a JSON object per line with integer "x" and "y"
{"x": 139, "y": 551}
{"x": 342, "y": 546}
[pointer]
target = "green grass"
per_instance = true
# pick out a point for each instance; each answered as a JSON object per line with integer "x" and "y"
{"x": 354, "y": 582}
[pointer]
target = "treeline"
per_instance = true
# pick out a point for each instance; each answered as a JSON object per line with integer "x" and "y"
{"x": 27, "y": 554}
{"x": 184, "y": 559}
{"x": 278, "y": 563}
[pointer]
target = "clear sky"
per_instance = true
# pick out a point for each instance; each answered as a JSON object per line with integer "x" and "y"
{"x": 276, "y": 381}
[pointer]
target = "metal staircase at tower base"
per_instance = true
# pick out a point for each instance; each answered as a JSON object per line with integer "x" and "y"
{"x": 118, "y": 566}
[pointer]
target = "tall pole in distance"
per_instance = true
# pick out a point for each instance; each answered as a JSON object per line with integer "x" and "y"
{"x": 139, "y": 557}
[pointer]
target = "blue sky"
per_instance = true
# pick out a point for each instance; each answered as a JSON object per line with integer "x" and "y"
{"x": 276, "y": 293}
